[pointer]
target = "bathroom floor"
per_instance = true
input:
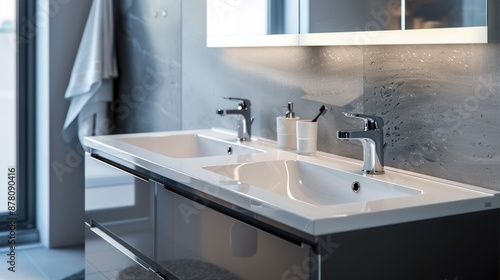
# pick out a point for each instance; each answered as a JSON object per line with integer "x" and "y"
{"x": 35, "y": 262}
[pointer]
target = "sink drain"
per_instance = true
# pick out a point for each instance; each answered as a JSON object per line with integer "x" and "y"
{"x": 356, "y": 186}
{"x": 229, "y": 150}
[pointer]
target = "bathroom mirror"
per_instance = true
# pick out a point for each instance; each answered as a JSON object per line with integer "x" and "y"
{"x": 325, "y": 16}
{"x": 240, "y": 23}
{"x": 236, "y": 23}
{"x": 426, "y": 14}
{"x": 380, "y": 22}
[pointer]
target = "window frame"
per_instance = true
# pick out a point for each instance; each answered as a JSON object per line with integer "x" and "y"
{"x": 25, "y": 219}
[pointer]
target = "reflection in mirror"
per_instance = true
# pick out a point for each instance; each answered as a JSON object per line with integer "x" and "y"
{"x": 423, "y": 14}
{"x": 252, "y": 17}
{"x": 322, "y": 16}
{"x": 283, "y": 17}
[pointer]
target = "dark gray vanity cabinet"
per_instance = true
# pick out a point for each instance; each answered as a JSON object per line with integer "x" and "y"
{"x": 462, "y": 246}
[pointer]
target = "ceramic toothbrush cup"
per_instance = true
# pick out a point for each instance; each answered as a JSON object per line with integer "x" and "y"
{"x": 307, "y": 137}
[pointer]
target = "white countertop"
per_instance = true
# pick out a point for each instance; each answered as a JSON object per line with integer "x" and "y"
{"x": 439, "y": 197}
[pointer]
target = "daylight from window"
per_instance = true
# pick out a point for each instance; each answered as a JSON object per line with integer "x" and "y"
{"x": 7, "y": 94}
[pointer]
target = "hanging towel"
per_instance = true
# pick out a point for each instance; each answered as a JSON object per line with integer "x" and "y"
{"x": 90, "y": 87}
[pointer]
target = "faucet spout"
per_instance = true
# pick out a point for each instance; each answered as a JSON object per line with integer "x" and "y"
{"x": 244, "y": 121}
{"x": 372, "y": 139}
{"x": 223, "y": 112}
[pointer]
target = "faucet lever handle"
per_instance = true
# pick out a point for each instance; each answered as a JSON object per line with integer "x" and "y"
{"x": 245, "y": 103}
{"x": 371, "y": 122}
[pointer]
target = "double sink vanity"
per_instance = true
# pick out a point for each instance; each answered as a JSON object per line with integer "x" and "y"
{"x": 200, "y": 205}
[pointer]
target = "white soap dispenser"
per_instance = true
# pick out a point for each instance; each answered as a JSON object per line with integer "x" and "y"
{"x": 286, "y": 129}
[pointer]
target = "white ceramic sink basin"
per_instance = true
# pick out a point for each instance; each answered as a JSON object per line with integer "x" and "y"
{"x": 188, "y": 146}
{"x": 310, "y": 183}
{"x": 311, "y": 194}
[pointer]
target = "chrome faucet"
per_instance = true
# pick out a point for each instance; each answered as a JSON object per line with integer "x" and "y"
{"x": 372, "y": 138}
{"x": 245, "y": 121}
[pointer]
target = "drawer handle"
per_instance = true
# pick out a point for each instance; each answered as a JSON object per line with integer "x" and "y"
{"x": 122, "y": 168}
{"x": 160, "y": 272}
{"x": 121, "y": 248}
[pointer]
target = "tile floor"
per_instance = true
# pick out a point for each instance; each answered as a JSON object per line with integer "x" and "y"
{"x": 35, "y": 262}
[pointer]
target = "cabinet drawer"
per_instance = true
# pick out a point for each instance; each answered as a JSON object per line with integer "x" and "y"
{"x": 197, "y": 242}
{"x": 106, "y": 259}
{"x": 121, "y": 203}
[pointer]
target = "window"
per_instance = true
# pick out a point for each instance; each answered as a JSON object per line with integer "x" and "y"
{"x": 7, "y": 91}
{"x": 17, "y": 80}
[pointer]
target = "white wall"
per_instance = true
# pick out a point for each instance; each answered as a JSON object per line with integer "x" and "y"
{"x": 60, "y": 181}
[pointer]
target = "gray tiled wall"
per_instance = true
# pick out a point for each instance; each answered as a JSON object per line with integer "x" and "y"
{"x": 441, "y": 106}
{"x": 440, "y": 103}
{"x": 148, "y": 90}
